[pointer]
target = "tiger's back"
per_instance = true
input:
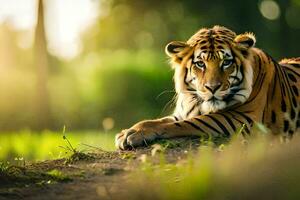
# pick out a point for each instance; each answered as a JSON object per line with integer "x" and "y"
{"x": 282, "y": 112}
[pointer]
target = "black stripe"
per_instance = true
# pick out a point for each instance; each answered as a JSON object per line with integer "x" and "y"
{"x": 235, "y": 78}
{"x": 190, "y": 89}
{"x": 291, "y": 70}
{"x": 283, "y": 88}
{"x": 295, "y": 65}
{"x": 274, "y": 86}
{"x": 193, "y": 98}
{"x": 193, "y": 125}
{"x": 249, "y": 120}
{"x": 278, "y": 71}
{"x": 229, "y": 121}
{"x": 191, "y": 110}
{"x": 184, "y": 78}
{"x": 294, "y": 101}
{"x": 242, "y": 123}
{"x": 288, "y": 86}
{"x": 177, "y": 124}
{"x": 283, "y": 105}
{"x": 273, "y": 117}
{"x": 295, "y": 89}
{"x": 285, "y": 125}
{"x": 208, "y": 125}
{"x": 269, "y": 59}
{"x": 239, "y": 69}
{"x": 258, "y": 63}
{"x": 176, "y": 119}
{"x": 260, "y": 82}
{"x": 226, "y": 132}
{"x": 293, "y": 114}
{"x": 292, "y": 77}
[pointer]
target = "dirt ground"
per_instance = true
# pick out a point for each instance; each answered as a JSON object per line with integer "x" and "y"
{"x": 95, "y": 175}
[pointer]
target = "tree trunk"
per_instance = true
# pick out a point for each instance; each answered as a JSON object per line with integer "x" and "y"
{"x": 41, "y": 63}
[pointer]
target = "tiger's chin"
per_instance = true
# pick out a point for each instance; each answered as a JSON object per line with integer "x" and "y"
{"x": 212, "y": 106}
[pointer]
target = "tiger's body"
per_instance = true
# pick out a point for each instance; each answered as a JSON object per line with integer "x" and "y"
{"x": 223, "y": 83}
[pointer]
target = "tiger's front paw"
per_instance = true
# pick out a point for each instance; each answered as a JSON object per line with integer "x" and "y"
{"x": 130, "y": 138}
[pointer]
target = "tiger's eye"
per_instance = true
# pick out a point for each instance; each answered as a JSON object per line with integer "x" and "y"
{"x": 200, "y": 64}
{"x": 227, "y": 63}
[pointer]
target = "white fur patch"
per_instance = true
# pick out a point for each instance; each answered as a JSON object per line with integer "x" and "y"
{"x": 212, "y": 106}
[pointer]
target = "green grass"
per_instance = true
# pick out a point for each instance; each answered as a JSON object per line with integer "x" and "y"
{"x": 259, "y": 168}
{"x": 34, "y": 146}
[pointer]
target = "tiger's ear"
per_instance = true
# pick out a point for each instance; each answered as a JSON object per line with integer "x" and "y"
{"x": 176, "y": 48}
{"x": 246, "y": 40}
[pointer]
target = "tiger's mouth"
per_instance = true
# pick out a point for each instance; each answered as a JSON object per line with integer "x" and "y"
{"x": 214, "y": 99}
{"x": 220, "y": 96}
{"x": 212, "y": 105}
{"x": 217, "y": 102}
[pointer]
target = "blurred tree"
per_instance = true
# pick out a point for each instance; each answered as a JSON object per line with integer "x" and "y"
{"x": 147, "y": 26}
{"x": 42, "y": 64}
{"x": 284, "y": 30}
{"x": 123, "y": 69}
{"x": 136, "y": 24}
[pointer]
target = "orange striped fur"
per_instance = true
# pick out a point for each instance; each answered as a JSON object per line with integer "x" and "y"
{"x": 223, "y": 83}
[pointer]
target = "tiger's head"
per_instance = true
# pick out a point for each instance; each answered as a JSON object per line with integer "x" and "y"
{"x": 214, "y": 65}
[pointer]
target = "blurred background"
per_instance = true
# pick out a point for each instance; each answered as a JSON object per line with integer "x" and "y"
{"x": 99, "y": 65}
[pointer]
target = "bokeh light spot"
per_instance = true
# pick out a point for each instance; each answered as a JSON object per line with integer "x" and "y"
{"x": 270, "y": 9}
{"x": 108, "y": 123}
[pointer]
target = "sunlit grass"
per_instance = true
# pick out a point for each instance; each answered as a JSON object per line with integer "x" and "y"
{"x": 47, "y": 144}
{"x": 260, "y": 168}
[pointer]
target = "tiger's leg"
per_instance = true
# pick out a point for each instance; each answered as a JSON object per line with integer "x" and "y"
{"x": 211, "y": 125}
{"x": 146, "y": 124}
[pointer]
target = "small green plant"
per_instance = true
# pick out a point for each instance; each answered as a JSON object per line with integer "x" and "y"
{"x": 69, "y": 146}
{"x": 76, "y": 154}
{"x": 240, "y": 131}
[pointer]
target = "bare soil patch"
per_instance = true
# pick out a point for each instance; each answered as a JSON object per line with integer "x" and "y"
{"x": 94, "y": 175}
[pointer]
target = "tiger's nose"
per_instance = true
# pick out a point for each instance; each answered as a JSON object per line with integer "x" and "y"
{"x": 212, "y": 87}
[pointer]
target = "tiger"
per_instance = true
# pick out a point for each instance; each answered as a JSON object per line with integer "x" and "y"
{"x": 223, "y": 83}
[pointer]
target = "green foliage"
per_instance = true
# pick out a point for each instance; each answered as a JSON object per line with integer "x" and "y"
{"x": 135, "y": 24}
{"x": 45, "y": 145}
{"x": 88, "y": 90}
{"x": 135, "y": 86}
